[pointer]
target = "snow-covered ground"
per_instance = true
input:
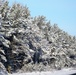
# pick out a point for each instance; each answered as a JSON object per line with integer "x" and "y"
{"x": 60, "y": 72}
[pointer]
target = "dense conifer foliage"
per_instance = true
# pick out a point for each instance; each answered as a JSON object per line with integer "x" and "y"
{"x": 32, "y": 43}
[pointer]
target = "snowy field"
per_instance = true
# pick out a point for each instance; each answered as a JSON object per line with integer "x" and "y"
{"x": 61, "y": 72}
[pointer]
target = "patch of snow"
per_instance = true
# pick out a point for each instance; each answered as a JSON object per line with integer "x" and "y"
{"x": 60, "y": 72}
